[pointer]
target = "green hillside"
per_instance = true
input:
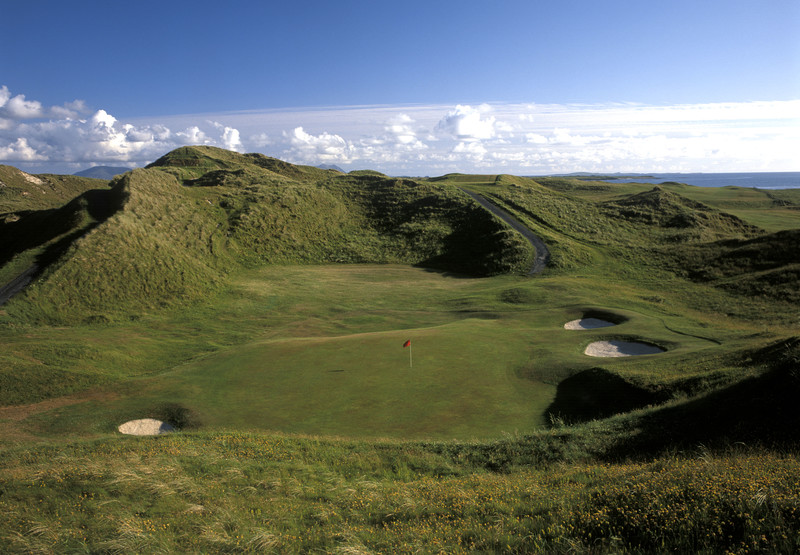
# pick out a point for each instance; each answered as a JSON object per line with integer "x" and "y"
{"x": 262, "y": 308}
{"x": 21, "y": 191}
{"x": 201, "y": 212}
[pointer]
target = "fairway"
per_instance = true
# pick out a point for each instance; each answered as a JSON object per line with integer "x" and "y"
{"x": 327, "y": 358}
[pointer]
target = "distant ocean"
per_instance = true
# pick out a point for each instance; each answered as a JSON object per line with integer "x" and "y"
{"x": 760, "y": 180}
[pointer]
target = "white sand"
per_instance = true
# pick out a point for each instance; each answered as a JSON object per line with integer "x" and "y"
{"x": 145, "y": 427}
{"x": 31, "y": 178}
{"x": 587, "y": 324}
{"x": 620, "y": 349}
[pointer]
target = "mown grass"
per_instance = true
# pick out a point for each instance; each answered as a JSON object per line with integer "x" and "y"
{"x": 320, "y": 349}
{"x": 242, "y": 326}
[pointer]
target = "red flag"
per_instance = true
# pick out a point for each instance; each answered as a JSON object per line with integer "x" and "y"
{"x": 407, "y": 344}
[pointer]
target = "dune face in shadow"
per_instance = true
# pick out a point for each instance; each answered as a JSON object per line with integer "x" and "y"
{"x": 597, "y": 393}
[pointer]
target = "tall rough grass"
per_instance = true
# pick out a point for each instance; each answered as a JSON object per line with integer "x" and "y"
{"x": 247, "y": 493}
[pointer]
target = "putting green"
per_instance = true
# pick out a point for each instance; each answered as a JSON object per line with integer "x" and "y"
{"x": 450, "y": 382}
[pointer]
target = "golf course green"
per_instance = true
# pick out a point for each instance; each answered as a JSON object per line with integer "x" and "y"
{"x": 361, "y": 363}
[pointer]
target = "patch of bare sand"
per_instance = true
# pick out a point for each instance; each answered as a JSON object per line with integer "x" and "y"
{"x": 145, "y": 427}
{"x": 588, "y": 324}
{"x": 621, "y": 349}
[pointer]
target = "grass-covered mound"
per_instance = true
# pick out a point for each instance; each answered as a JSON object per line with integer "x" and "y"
{"x": 690, "y": 219}
{"x": 664, "y": 231}
{"x": 199, "y": 213}
{"x": 767, "y": 265}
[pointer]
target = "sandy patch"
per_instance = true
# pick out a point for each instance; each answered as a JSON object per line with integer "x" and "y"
{"x": 145, "y": 427}
{"x": 588, "y": 324}
{"x": 31, "y": 178}
{"x": 621, "y": 349}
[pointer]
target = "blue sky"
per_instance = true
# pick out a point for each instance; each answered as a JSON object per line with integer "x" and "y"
{"x": 408, "y": 87}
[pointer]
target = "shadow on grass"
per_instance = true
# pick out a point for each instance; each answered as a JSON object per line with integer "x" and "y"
{"x": 763, "y": 410}
{"x": 55, "y": 230}
{"x": 597, "y": 393}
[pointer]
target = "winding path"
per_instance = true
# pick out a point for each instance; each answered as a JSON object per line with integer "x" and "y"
{"x": 17, "y": 284}
{"x": 542, "y": 254}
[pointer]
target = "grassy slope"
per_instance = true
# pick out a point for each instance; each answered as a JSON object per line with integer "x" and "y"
{"x": 256, "y": 493}
{"x": 38, "y": 213}
{"x": 21, "y": 192}
{"x": 201, "y": 212}
{"x": 242, "y": 358}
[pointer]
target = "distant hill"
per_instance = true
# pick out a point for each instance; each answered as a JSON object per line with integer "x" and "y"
{"x": 331, "y": 167}
{"x": 102, "y": 172}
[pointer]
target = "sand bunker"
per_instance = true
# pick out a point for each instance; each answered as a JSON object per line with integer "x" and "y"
{"x": 145, "y": 427}
{"x": 588, "y": 324}
{"x": 621, "y": 349}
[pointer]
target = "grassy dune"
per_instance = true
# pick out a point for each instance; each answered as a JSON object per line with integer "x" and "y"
{"x": 262, "y": 307}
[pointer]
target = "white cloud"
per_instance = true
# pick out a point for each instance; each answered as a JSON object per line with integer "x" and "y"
{"x": 102, "y": 119}
{"x": 30, "y": 132}
{"x": 323, "y": 148}
{"x": 536, "y": 139}
{"x": 17, "y": 107}
{"x": 192, "y": 136}
{"x": 466, "y": 123}
{"x": 20, "y": 151}
{"x": 5, "y": 94}
{"x": 472, "y": 149}
{"x": 230, "y": 139}
{"x": 400, "y": 127}
{"x": 259, "y": 140}
{"x": 424, "y": 140}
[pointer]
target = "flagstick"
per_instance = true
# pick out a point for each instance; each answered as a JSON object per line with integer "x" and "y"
{"x": 410, "y": 362}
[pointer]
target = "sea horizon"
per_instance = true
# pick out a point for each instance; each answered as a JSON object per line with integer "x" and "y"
{"x": 755, "y": 180}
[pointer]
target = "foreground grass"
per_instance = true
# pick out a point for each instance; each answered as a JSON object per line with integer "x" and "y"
{"x": 254, "y": 493}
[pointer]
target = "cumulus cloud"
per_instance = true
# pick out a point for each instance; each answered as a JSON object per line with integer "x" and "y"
{"x": 20, "y": 151}
{"x": 401, "y": 128}
{"x": 229, "y": 138}
{"x": 17, "y": 107}
{"x": 192, "y": 136}
{"x": 72, "y": 134}
{"x": 467, "y": 123}
{"x": 423, "y": 140}
{"x": 323, "y": 148}
{"x": 5, "y": 95}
